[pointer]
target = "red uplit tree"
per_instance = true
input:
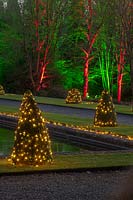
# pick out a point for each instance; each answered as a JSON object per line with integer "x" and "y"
{"x": 47, "y": 20}
{"x": 42, "y": 45}
{"x": 124, "y": 11}
{"x": 91, "y": 38}
{"x": 120, "y": 68}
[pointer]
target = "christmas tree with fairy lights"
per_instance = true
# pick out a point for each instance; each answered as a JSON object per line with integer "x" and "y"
{"x": 73, "y": 96}
{"x": 32, "y": 144}
{"x": 105, "y": 112}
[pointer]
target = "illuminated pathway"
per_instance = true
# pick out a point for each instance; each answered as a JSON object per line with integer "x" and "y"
{"x": 78, "y": 112}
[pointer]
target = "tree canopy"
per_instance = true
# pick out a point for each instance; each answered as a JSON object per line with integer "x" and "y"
{"x": 48, "y": 44}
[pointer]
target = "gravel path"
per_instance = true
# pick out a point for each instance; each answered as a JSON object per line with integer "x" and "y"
{"x": 66, "y": 186}
{"x": 83, "y": 113}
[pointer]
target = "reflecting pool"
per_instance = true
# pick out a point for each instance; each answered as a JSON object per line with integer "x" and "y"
{"x": 7, "y": 141}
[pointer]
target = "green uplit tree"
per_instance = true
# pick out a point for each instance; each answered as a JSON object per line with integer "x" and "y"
{"x": 106, "y": 67}
{"x": 74, "y": 96}
{"x": 105, "y": 112}
{"x": 32, "y": 144}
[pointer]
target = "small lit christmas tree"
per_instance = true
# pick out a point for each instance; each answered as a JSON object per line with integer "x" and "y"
{"x": 32, "y": 144}
{"x": 105, "y": 112}
{"x": 2, "y": 91}
{"x": 73, "y": 96}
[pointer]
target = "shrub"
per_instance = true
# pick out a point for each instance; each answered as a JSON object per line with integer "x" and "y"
{"x": 32, "y": 144}
{"x": 73, "y": 96}
{"x": 105, "y": 112}
{"x": 2, "y": 91}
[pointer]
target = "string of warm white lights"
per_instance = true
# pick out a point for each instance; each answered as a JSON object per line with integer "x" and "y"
{"x": 89, "y": 129}
{"x": 2, "y": 91}
{"x": 105, "y": 112}
{"x": 32, "y": 144}
{"x": 73, "y": 96}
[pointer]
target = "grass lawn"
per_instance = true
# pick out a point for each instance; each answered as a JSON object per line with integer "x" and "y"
{"x": 74, "y": 161}
{"x": 6, "y": 134}
{"x": 9, "y": 109}
{"x": 57, "y": 101}
{"x": 72, "y": 120}
{"x": 69, "y": 161}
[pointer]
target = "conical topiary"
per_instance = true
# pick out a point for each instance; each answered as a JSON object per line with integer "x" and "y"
{"x": 105, "y": 112}
{"x": 73, "y": 96}
{"x": 2, "y": 91}
{"x": 32, "y": 144}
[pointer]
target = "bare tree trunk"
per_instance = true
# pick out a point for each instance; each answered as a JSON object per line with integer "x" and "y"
{"x": 86, "y": 73}
{"x": 91, "y": 38}
{"x": 121, "y": 63}
{"x": 131, "y": 74}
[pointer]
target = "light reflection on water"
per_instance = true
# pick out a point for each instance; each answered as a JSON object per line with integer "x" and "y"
{"x": 57, "y": 147}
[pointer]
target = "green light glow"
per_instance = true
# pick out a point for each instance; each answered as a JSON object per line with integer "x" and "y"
{"x": 72, "y": 76}
{"x": 106, "y": 66}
